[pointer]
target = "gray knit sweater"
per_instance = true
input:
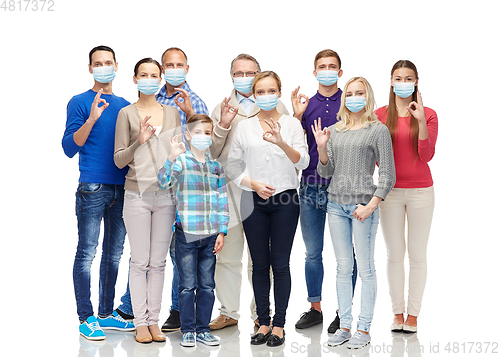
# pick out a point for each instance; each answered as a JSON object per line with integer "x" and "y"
{"x": 352, "y": 156}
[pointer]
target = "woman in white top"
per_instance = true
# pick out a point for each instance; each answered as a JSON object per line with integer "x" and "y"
{"x": 266, "y": 154}
{"x": 141, "y": 143}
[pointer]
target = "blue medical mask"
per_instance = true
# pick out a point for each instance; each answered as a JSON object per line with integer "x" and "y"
{"x": 175, "y": 76}
{"x": 403, "y": 89}
{"x": 201, "y": 142}
{"x": 355, "y": 103}
{"x": 148, "y": 86}
{"x": 267, "y": 102}
{"x": 104, "y": 74}
{"x": 327, "y": 77}
{"x": 243, "y": 84}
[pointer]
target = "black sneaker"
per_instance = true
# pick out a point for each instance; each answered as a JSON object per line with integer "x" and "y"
{"x": 309, "y": 319}
{"x": 125, "y": 316}
{"x": 335, "y": 325}
{"x": 173, "y": 322}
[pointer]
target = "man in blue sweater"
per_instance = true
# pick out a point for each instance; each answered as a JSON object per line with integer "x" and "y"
{"x": 90, "y": 132}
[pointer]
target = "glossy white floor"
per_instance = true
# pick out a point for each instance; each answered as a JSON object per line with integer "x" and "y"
{"x": 454, "y": 319}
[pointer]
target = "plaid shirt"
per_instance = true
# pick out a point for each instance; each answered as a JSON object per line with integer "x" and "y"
{"x": 201, "y": 195}
{"x": 199, "y": 106}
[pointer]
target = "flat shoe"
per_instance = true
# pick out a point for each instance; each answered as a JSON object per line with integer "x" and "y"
{"x": 145, "y": 339}
{"x": 259, "y": 338}
{"x": 275, "y": 341}
{"x": 409, "y": 329}
{"x": 396, "y": 327}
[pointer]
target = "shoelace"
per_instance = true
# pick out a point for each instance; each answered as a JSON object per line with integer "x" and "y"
{"x": 93, "y": 326}
{"x": 357, "y": 334}
{"x": 339, "y": 331}
{"x": 119, "y": 318}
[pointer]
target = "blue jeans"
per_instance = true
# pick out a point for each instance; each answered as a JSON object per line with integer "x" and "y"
{"x": 196, "y": 265}
{"x": 343, "y": 228}
{"x": 126, "y": 305}
{"x": 95, "y": 202}
{"x": 313, "y": 203}
{"x": 270, "y": 230}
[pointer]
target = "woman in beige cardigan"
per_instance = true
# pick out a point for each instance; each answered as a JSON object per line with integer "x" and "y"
{"x": 141, "y": 142}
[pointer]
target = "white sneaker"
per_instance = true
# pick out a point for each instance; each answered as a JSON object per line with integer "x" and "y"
{"x": 359, "y": 340}
{"x": 339, "y": 337}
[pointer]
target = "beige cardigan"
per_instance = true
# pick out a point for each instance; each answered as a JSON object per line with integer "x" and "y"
{"x": 144, "y": 160}
{"x": 222, "y": 138}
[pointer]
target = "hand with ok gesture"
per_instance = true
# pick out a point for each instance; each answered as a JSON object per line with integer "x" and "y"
{"x": 146, "y": 131}
{"x": 321, "y": 136}
{"x": 298, "y": 106}
{"x": 95, "y": 109}
{"x": 185, "y": 105}
{"x": 417, "y": 108}
{"x": 274, "y": 135}
{"x": 176, "y": 147}
{"x": 227, "y": 113}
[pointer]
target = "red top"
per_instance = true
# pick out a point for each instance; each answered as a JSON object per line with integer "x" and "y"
{"x": 411, "y": 173}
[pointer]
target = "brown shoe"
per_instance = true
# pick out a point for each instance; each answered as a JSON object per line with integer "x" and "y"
{"x": 142, "y": 335}
{"x": 221, "y": 322}
{"x": 156, "y": 334}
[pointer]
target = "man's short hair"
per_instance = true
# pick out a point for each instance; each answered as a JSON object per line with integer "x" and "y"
{"x": 327, "y": 53}
{"x": 247, "y": 57}
{"x": 173, "y": 49}
{"x": 101, "y": 48}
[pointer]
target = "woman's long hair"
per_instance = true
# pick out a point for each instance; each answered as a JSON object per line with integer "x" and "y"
{"x": 345, "y": 122}
{"x": 392, "y": 109}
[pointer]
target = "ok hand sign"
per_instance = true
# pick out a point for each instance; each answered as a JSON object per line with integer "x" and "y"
{"x": 321, "y": 136}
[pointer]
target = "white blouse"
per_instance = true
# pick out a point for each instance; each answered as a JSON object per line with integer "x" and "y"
{"x": 251, "y": 156}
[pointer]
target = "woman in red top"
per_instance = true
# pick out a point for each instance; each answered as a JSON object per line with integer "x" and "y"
{"x": 413, "y": 129}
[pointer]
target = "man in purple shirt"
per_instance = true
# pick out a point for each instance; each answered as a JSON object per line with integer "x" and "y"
{"x": 325, "y": 104}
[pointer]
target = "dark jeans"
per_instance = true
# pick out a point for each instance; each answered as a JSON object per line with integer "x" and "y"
{"x": 96, "y": 202}
{"x": 196, "y": 264}
{"x": 313, "y": 202}
{"x": 270, "y": 230}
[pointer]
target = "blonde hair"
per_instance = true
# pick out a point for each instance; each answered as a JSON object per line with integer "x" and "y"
{"x": 265, "y": 74}
{"x": 345, "y": 122}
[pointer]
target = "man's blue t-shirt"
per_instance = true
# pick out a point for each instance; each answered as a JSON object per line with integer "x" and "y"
{"x": 96, "y": 155}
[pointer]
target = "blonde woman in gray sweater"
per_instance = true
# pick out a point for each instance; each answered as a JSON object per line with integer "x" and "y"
{"x": 142, "y": 137}
{"x": 348, "y": 153}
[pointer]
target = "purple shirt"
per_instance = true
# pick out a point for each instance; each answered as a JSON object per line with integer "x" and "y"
{"x": 325, "y": 108}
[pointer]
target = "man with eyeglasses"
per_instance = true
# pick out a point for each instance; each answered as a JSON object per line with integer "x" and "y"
{"x": 228, "y": 271}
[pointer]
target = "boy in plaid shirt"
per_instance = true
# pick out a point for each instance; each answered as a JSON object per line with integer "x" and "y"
{"x": 201, "y": 224}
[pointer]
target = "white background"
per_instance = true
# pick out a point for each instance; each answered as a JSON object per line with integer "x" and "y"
{"x": 44, "y": 57}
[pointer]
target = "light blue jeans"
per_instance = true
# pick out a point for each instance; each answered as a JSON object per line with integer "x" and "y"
{"x": 343, "y": 229}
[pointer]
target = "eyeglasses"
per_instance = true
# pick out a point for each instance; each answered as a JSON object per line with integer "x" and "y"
{"x": 245, "y": 74}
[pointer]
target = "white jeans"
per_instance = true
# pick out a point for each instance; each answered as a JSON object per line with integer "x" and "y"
{"x": 148, "y": 218}
{"x": 415, "y": 206}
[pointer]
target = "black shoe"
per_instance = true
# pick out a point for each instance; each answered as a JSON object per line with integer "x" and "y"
{"x": 173, "y": 322}
{"x": 259, "y": 338}
{"x": 335, "y": 325}
{"x": 125, "y": 316}
{"x": 275, "y": 341}
{"x": 309, "y": 319}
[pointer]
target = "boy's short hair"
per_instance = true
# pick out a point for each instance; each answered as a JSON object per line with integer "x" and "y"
{"x": 101, "y": 48}
{"x": 196, "y": 119}
{"x": 327, "y": 53}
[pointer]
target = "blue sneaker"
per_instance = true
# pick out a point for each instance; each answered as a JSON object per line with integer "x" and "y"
{"x": 207, "y": 338}
{"x": 188, "y": 339}
{"x": 91, "y": 330}
{"x": 115, "y": 322}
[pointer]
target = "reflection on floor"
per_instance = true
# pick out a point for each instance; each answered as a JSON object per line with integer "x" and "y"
{"x": 310, "y": 342}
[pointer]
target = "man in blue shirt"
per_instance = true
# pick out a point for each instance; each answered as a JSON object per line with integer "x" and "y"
{"x": 325, "y": 104}
{"x": 90, "y": 132}
{"x": 176, "y": 93}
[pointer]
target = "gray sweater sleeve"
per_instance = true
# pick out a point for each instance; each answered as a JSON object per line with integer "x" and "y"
{"x": 385, "y": 159}
{"x": 326, "y": 171}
